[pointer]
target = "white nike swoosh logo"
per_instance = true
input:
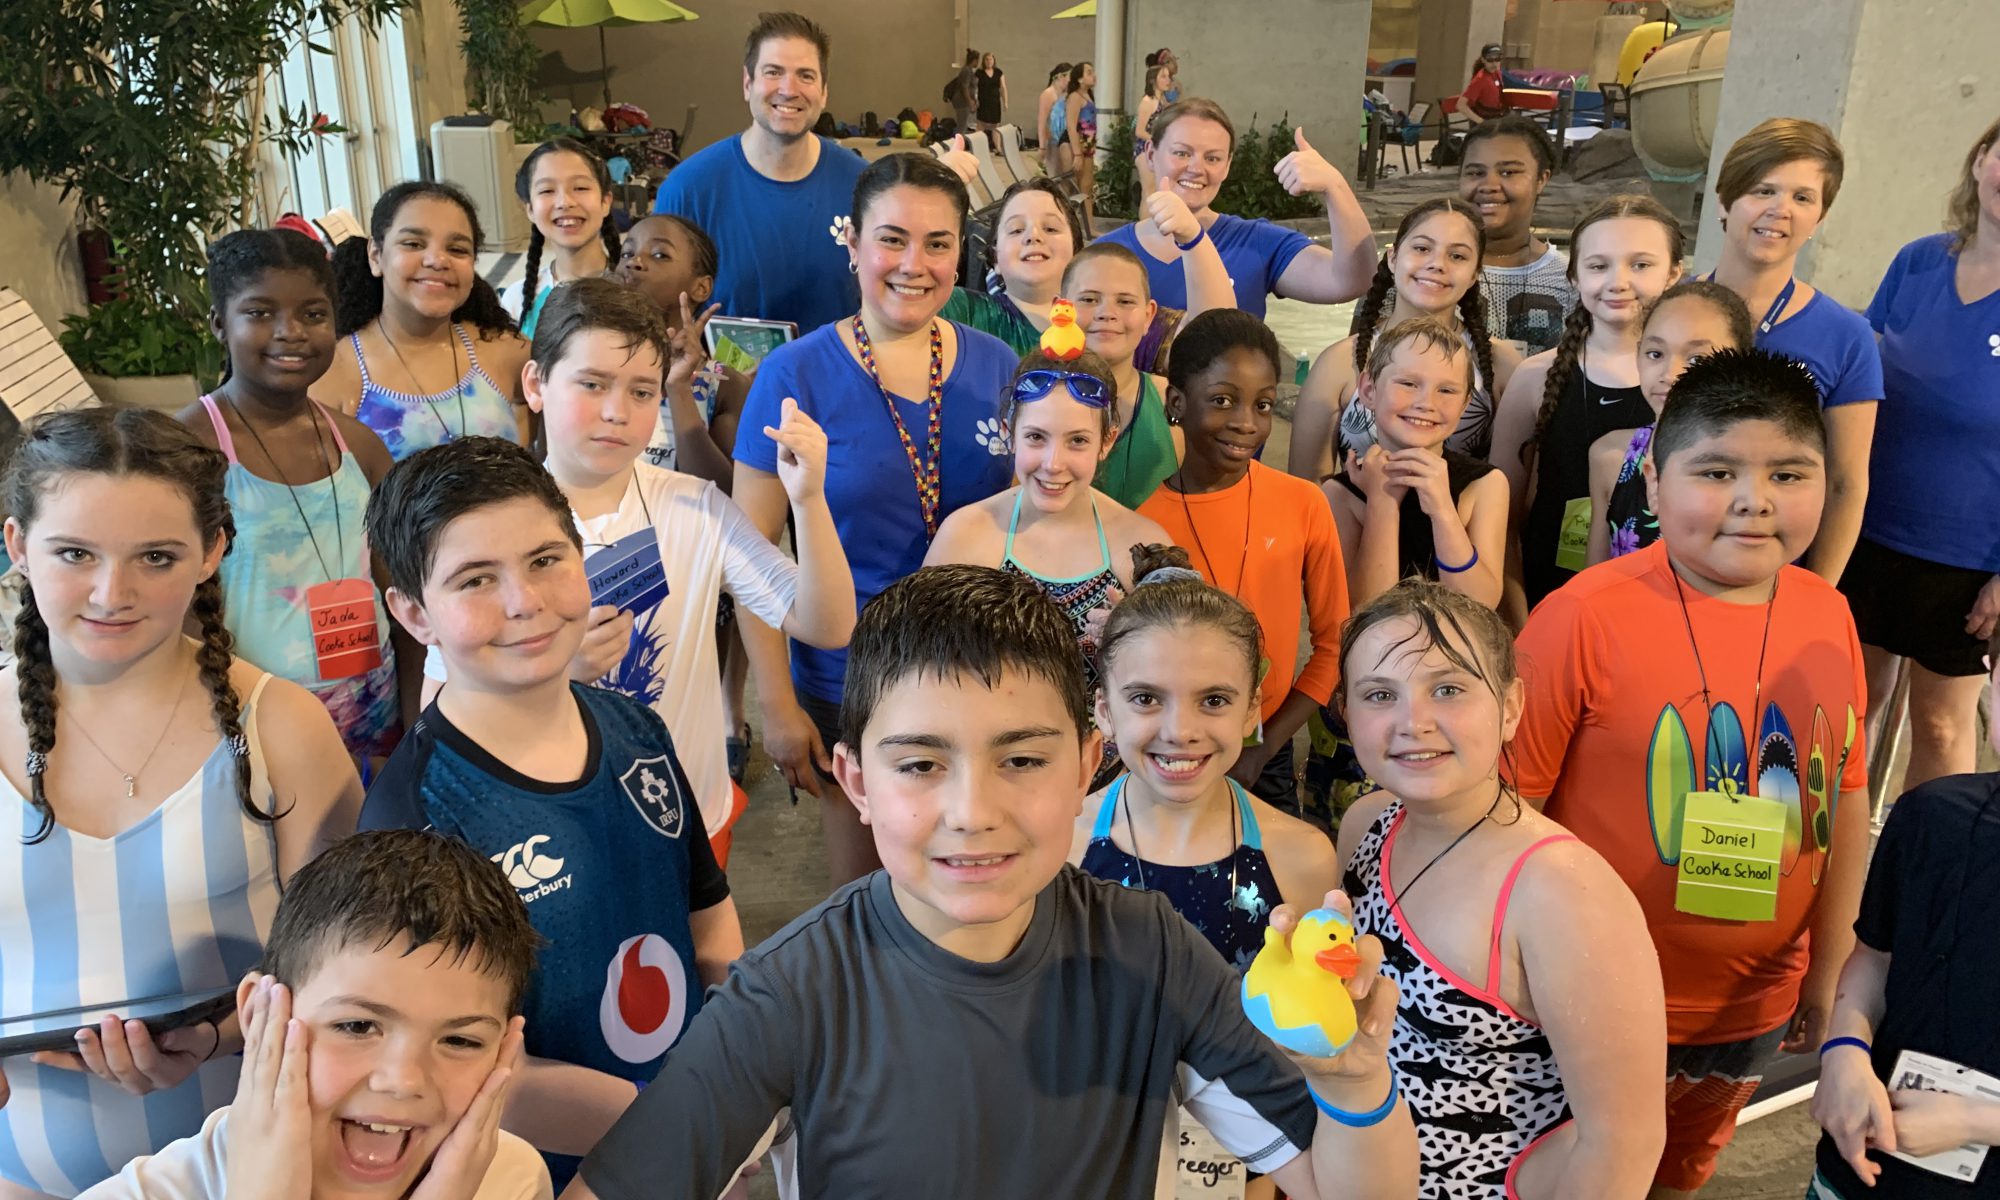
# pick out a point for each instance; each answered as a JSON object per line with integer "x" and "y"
{"x": 1609, "y": 399}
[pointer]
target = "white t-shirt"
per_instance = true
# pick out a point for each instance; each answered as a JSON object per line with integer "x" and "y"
{"x": 706, "y": 545}
{"x": 197, "y": 1168}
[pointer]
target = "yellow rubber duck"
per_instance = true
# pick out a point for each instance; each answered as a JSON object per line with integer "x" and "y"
{"x": 1062, "y": 339}
{"x": 1296, "y": 994}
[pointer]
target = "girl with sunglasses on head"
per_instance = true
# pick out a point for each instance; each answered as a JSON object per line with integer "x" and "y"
{"x": 1053, "y": 527}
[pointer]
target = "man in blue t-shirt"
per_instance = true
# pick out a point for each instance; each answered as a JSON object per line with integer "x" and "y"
{"x": 775, "y": 197}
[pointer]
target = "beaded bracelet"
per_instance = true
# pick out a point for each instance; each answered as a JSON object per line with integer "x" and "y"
{"x": 1360, "y": 1120}
{"x": 1469, "y": 563}
{"x": 1831, "y": 1043}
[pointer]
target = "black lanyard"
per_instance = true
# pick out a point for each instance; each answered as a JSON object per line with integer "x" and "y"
{"x": 1713, "y": 746}
{"x": 333, "y": 485}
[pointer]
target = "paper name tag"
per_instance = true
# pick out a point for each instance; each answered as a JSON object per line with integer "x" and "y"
{"x": 1203, "y": 1168}
{"x": 346, "y": 640}
{"x": 1731, "y": 849}
{"x": 1927, "y": 1073}
{"x": 1573, "y": 540}
{"x": 628, "y": 573}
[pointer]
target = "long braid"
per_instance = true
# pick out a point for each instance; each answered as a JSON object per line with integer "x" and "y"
{"x": 531, "y": 278}
{"x": 213, "y": 658}
{"x": 35, "y": 676}
{"x": 1472, "y": 314}
{"x": 1569, "y": 352}
{"x": 613, "y": 246}
{"x": 1368, "y": 313}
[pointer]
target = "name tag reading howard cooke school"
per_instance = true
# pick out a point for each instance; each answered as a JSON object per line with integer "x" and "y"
{"x": 1731, "y": 848}
{"x": 628, "y": 574}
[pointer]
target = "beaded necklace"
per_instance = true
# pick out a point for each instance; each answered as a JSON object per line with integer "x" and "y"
{"x": 927, "y": 476}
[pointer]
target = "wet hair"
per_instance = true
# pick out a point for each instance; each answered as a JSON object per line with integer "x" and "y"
{"x": 1428, "y": 334}
{"x": 135, "y": 443}
{"x": 1153, "y": 70}
{"x": 524, "y": 188}
{"x": 1727, "y": 304}
{"x": 772, "y": 25}
{"x": 947, "y": 621}
{"x": 1771, "y": 145}
{"x": 1578, "y": 325}
{"x": 1514, "y": 126}
{"x": 1961, "y": 212}
{"x": 1451, "y": 621}
{"x": 422, "y": 495}
{"x": 1164, "y": 596}
{"x": 1059, "y": 71}
{"x": 1191, "y": 106}
{"x": 909, "y": 168}
{"x": 358, "y": 291}
{"x": 581, "y": 305}
{"x": 1730, "y": 387}
{"x": 366, "y": 891}
{"x": 1084, "y": 364}
{"x": 1378, "y": 301}
{"x": 1110, "y": 250}
{"x": 1048, "y": 187}
{"x": 1210, "y": 335}
{"x": 1076, "y": 78}
{"x": 237, "y": 260}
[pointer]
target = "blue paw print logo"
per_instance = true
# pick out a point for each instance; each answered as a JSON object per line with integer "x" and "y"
{"x": 992, "y": 435}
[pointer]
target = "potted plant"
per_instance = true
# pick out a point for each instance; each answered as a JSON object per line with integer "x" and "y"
{"x": 152, "y": 112}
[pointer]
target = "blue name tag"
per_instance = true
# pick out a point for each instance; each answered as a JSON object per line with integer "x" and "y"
{"x": 628, "y": 574}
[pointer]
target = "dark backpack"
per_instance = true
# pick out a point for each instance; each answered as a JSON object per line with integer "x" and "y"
{"x": 871, "y": 125}
{"x": 951, "y": 91}
{"x": 827, "y": 126}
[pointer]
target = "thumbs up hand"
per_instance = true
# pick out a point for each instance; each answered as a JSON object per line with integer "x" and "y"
{"x": 959, "y": 159}
{"x": 1305, "y": 169}
{"x": 1169, "y": 214}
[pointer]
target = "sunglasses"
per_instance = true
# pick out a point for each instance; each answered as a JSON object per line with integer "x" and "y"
{"x": 1088, "y": 389}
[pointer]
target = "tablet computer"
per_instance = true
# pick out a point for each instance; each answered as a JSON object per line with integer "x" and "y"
{"x": 743, "y": 342}
{"x": 57, "y": 1028}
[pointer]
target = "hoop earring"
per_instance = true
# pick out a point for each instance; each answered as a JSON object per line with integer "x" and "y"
{"x": 853, "y": 267}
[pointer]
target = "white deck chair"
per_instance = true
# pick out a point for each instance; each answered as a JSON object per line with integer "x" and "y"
{"x": 1017, "y": 162}
{"x": 997, "y": 177}
{"x": 35, "y": 375}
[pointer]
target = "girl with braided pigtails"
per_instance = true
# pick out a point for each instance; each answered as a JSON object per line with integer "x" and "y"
{"x": 155, "y": 791}
{"x": 1431, "y": 270}
{"x": 567, "y": 192}
{"x": 1624, "y": 253}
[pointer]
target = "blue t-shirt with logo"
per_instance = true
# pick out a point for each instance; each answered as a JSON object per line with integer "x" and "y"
{"x": 869, "y": 483}
{"x": 780, "y": 248}
{"x": 1256, "y": 252}
{"x": 1835, "y": 344}
{"x": 1934, "y": 474}
{"x": 610, "y": 866}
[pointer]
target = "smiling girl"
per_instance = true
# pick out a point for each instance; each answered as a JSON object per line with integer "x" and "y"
{"x": 567, "y": 192}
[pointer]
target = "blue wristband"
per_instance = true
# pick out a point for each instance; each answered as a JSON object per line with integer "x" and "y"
{"x": 1360, "y": 1120}
{"x": 1469, "y": 563}
{"x": 1191, "y": 243}
{"x": 1831, "y": 1043}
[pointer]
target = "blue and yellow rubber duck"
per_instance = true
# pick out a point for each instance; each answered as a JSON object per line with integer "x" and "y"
{"x": 1296, "y": 994}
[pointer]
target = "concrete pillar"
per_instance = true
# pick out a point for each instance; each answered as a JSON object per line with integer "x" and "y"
{"x": 1449, "y": 35}
{"x": 1110, "y": 61}
{"x": 1260, "y": 61}
{"x": 1906, "y": 85}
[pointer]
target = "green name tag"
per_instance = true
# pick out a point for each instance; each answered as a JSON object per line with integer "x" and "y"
{"x": 1573, "y": 542}
{"x": 1731, "y": 850}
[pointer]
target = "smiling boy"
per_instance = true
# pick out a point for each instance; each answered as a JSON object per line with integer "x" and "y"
{"x": 379, "y": 1049}
{"x": 1708, "y": 664}
{"x": 576, "y": 792}
{"x": 978, "y": 1016}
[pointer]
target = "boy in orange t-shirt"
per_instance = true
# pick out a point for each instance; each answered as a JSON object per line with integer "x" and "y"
{"x": 1709, "y": 663}
{"x": 1261, "y": 535}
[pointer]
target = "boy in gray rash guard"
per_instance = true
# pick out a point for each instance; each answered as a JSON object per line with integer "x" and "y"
{"x": 978, "y": 1016}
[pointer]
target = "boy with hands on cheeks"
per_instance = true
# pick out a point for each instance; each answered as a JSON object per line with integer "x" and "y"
{"x": 379, "y": 1050}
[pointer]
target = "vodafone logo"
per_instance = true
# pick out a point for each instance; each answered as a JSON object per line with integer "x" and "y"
{"x": 645, "y": 999}
{"x": 533, "y": 873}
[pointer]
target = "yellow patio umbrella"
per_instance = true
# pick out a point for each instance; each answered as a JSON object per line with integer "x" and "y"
{"x": 582, "y": 14}
{"x": 1087, "y": 9}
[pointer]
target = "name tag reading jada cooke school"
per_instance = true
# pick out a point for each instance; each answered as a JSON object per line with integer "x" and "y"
{"x": 1731, "y": 849}
{"x": 346, "y": 640}
{"x": 628, "y": 574}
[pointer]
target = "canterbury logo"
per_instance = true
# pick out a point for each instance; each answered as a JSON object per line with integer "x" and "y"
{"x": 526, "y": 866}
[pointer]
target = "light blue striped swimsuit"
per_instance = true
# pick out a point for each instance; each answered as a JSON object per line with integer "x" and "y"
{"x": 408, "y": 423}
{"x": 179, "y": 902}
